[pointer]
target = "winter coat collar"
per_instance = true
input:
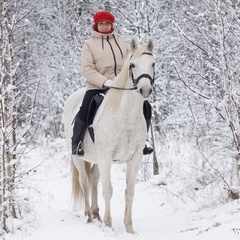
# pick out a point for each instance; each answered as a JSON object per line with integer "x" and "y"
{"x": 101, "y": 35}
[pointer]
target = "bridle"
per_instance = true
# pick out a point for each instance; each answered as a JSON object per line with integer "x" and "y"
{"x": 146, "y": 75}
{"x": 136, "y": 80}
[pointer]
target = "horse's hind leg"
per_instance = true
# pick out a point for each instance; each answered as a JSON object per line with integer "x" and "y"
{"x": 94, "y": 183}
{"x": 84, "y": 171}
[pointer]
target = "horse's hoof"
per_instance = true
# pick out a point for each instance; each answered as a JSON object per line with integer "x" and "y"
{"x": 89, "y": 220}
{"x": 130, "y": 231}
{"x": 97, "y": 216}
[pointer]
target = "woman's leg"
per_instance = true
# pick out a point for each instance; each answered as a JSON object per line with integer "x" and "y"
{"x": 80, "y": 123}
{"x": 147, "y": 111}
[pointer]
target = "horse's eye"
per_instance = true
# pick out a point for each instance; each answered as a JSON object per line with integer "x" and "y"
{"x": 132, "y": 65}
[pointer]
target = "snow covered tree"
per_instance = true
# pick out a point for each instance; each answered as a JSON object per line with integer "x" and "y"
{"x": 8, "y": 119}
{"x": 15, "y": 124}
{"x": 228, "y": 29}
{"x": 205, "y": 64}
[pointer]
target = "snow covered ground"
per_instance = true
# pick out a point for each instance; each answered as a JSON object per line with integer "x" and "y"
{"x": 165, "y": 207}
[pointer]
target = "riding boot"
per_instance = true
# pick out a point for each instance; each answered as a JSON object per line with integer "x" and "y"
{"x": 78, "y": 135}
{"x": 147, "y": 110}
{"x": 147, "y": 150}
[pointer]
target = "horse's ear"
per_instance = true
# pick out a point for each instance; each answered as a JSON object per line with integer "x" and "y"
{"x": 150, "y": 45}
{"x": 133, "y": 45}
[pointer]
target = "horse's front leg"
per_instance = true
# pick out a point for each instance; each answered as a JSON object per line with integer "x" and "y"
{"x": 94, "y": 184}
{"x": 132, "y": 169}
{"x": 104, "y": 169}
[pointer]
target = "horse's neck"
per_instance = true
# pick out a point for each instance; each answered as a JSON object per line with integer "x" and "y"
{"x": 132, "y": 98}
{"x": 131, "y": 105}
{"x": 118, "y": 101}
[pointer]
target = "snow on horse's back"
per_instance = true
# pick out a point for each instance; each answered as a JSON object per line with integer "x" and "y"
{"x": 120, "y": 134}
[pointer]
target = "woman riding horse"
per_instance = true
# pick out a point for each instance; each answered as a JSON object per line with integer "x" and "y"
{"x": 120, "y": 134}
{"x": 103, "y": 56}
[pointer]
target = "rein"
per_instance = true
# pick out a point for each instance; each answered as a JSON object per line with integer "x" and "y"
{"x": 135, "y": 81}
{"x": 118, "y": 88}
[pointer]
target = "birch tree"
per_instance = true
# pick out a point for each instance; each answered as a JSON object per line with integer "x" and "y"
{"x": 7, "y": 119}
{"x": 16, "y": 128}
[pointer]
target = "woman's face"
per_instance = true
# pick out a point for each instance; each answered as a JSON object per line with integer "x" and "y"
{"x": 104, "y": 26}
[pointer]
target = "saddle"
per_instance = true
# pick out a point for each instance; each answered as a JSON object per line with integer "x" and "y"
{"x": 92, "y": 110}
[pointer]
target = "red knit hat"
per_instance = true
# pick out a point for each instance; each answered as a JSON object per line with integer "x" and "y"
{"x": 103, "y": 16}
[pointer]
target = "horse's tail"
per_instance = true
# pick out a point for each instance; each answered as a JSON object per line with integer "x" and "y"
{"x": 77, "y": 192}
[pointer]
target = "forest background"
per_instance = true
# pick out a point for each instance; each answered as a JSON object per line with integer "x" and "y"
{"x": 196, "y": 94}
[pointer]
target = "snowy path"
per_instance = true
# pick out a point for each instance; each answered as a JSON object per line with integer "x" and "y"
{"x": 156, "y": 216}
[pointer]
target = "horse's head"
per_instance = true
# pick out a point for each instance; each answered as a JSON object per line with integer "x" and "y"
{"x": 141, "y": 67}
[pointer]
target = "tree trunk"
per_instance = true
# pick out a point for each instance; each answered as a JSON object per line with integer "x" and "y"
{"x": 7, "y": 119}
{"x": 155, "y": 160}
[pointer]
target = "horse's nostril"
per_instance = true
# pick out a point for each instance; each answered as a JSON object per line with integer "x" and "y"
{"x": 145, "y": 91}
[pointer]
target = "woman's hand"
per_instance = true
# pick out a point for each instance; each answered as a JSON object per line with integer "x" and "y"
{"x": 107, "y": 83}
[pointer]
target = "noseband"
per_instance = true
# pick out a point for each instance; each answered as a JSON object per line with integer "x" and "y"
{"x": 135, "y": 81}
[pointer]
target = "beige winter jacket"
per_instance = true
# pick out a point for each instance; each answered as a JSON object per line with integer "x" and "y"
{"x": 102, "y": 58}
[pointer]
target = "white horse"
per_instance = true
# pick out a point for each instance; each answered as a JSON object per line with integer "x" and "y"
{"x": 120, "y": 133}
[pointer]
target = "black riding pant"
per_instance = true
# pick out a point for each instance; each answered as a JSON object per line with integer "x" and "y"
{"x": 83, "y": 112}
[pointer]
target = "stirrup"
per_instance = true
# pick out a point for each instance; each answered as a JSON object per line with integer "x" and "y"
{"x": 147, "y": 150}
{"x": 78, "y": 151}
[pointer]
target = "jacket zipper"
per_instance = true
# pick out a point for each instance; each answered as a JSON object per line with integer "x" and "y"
{"x": 114, "y": 57}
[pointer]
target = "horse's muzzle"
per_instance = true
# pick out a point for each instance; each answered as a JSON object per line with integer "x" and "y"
{"x": 145, "y": 91}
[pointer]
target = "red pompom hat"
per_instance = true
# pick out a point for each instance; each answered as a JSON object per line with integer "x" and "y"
{"x": 103, "y": 16}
